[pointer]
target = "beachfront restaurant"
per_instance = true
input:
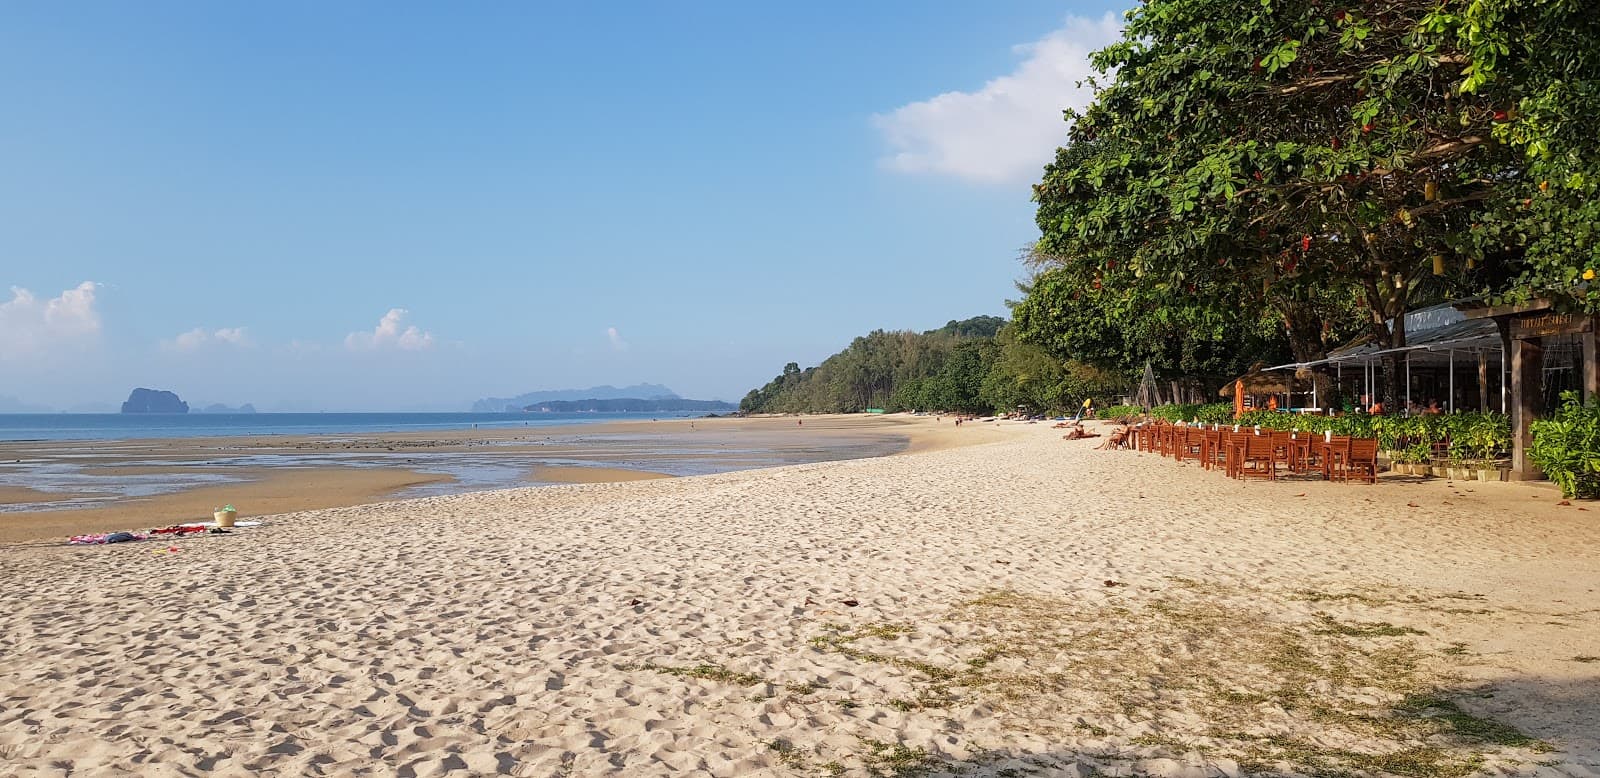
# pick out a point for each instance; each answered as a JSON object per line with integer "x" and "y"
{"x": 1465, "y": 356}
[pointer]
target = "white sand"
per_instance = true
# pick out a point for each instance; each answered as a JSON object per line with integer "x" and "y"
{"x": 554, "y": 631}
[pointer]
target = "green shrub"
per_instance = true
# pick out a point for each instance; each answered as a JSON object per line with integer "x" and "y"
{"x": 1213, "y": 413}
{"x": 1121, "y": 413}
{"x": 1566, "y": 447}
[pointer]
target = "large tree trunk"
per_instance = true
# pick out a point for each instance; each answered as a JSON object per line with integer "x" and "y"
{"x": 1304, "y": 329}
{"x": 1388, "y": 304}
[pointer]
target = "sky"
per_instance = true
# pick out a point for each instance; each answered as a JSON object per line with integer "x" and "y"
{"x": 407, "y": 206}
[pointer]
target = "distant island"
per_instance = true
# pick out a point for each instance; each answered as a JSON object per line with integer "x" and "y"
{"x": 220, "y": 408}
{"x": 522, "y": 401}
{"x": 154, "y": 401}
{"x": 630, "y": 405}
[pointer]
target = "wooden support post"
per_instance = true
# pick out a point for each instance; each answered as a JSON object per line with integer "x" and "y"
{"x": 1527, "y": 390}
{"x": 1591, "y": 375}
{"x": 1483, "y": 380}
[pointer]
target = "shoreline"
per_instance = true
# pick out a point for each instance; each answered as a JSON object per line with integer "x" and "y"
{"x": 307, "y": 472}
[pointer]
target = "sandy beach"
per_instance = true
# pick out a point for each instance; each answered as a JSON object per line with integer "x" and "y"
{"x": 1020, "y": 606}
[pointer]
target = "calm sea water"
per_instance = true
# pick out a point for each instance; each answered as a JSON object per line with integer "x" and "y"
{"x": 118, "y": 426}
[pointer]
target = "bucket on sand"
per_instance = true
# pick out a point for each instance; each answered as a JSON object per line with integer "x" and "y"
{"x": 225, "y": 516}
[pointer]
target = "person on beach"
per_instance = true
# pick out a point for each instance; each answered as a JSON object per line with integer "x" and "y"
{"x": 1117, "y": 439}
{"x": 1079, "y": 433}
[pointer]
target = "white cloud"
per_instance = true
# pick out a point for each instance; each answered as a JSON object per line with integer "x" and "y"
{"x": 233, "y": 335}
{"x": 1005, "y": 132}
{"x": 389, "y": 335}
{"x": 617, "y": 343}
{"x": 29, "y": 325}
{"x": 199, "y": 338}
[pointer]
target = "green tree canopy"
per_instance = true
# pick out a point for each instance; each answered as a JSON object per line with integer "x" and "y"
{"x": 1320, "y": 164}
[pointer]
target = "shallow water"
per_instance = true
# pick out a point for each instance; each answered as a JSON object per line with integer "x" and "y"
{"x": 99, "y": 482}
{"x": 132, "y": 426}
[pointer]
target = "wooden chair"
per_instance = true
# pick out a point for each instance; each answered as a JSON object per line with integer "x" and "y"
{"x": 1283, "y": 446}
{"x": 1362, "y": 459}
{"x": 1194, "y": 444}
{"x": 1258, "y": 451}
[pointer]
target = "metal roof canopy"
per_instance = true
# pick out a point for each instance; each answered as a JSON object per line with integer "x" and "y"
{"x": 1439, "y": 331}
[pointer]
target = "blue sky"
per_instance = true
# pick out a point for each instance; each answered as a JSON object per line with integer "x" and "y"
{"x": 405, "y": 206}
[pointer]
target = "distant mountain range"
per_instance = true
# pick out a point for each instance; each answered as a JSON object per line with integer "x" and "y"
{"x": 630, "y": 405}
{"x": 9, "y": 404}
{"x": 516, "y": 404}
{"x": 220, "y": 408}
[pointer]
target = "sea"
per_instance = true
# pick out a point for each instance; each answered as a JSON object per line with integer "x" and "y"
{"x": 135, "y": 426}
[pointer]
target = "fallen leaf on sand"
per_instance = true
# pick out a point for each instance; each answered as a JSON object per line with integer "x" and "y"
{"x": 1302, "y": 494}
{"x": 851, "y": 603}
{"x": 1563, "y": 502}
{"x": 1412, "y": 505}
{"x": 1110, "y": 582}
{"x": 1001, "y": 562}
{"x": 636, "y": 601}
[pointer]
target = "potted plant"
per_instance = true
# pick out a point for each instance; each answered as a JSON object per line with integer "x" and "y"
{"x": 1400, "y": 461}
{"x": 225, "y": 516}
{"x": 1487, "y": 471}
{"x": 1419, "y": 454}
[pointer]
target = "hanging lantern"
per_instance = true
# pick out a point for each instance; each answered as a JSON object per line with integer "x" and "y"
{"x": 1438, "y": 264}
{"x": 1430, "y": 191}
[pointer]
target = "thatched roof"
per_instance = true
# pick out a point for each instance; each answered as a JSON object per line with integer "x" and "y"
{"x": 1258, "y": 381}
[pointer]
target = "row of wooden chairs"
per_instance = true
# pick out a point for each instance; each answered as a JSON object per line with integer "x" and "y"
{"x": 1252, "y": 454}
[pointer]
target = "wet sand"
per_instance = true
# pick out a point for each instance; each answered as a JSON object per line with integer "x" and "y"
{"x": 268, "y": 491}
{"x": 22, "y": 495}
{"x": 265, "y": 475}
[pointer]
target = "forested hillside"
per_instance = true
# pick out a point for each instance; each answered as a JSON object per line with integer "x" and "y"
{"x": 973, "y": 365}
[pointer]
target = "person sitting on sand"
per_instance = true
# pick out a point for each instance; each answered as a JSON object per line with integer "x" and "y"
{"x": 1079, "y": 433}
